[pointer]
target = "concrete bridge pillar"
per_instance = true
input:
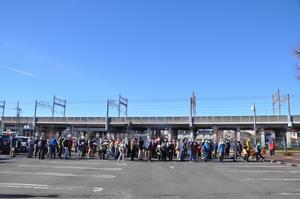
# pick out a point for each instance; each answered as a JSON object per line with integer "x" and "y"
{"x": 216, "y": 134}
{"x": 288, "y": 139}
{"x": 237, "y": 135}
{"x": 170, "y": 134}
{"x": 108, "y": 135}
{"x": 192, "y": 134}
{"x": 263, "y": 138}
{"x": 175, "y": 134}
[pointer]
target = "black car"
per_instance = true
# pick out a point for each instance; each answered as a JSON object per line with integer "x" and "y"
{"x": 4, "y": 144}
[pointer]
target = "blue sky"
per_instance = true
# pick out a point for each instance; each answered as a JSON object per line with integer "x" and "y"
{"x": 155, "y": 53}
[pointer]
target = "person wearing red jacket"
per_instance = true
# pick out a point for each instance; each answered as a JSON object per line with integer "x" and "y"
{"x": 272, "y": 148}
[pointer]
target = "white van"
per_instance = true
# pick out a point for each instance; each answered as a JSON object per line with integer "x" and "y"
{"x": 24, "y": 140}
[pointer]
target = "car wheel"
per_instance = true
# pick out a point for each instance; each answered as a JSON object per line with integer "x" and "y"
{"x": 23, "y": 149}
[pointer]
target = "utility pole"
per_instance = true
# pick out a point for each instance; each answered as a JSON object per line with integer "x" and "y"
{"x": 253, "y": 108}
{"x": 60, "y": 103}
{"x": 122, "y": 102}
{"x": 280, "y": 99}
{"x": 289, "y": 104}
{"x": 34, "y": 117}
{"x": 192, "y": 114}
{"x": 42, "y": 104}
{"x": 286, "y": 99}
{"x": 18, "y": 117}
{"x": 2, "y": 106}
{"x": 110, "y": 103}
{"x": 276, "y": 98}
{"x": 194, "y": 103}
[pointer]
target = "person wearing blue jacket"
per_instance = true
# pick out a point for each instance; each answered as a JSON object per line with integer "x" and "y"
{"x": 53, "y": 144}
{"x": 221, "y": 149}
{"x": 206, "y": 150}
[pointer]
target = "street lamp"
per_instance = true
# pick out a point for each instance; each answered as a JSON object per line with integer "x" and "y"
{"x": 253, "y": 108}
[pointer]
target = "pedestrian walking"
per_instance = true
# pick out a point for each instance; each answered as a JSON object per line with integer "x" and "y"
{"x": 121, "y": 151}
{"x": 133, "y": 148}
{"x": 247, "y": 147}
{"x": 221, "y": 150}
{"x": 258, "y": 152}
{"x": 272, "y": 148}
{"x": 52, "y": 144}
{"x": 235, "y": 150}
{"x": 13, "y": 145}
{"x": 206, "y": 150}
{"x": 30, "y": 143}
{"x": 42, "y": 145}
{"x": 141, "y": 148}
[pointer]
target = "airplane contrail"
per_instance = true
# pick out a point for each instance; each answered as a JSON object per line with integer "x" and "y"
{"x": 19, "y": 71}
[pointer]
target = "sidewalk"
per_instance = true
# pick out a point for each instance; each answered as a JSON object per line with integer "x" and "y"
{"x": 280, "y": 157}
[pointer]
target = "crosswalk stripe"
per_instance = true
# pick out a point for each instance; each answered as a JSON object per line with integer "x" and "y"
{"x": 53, "y": 174}
{"x": 263, "y": 171}
{"x": 47, "y": 187}
{"x": 72, "y": 167}
{"x": 85, "y": 163}
{"x": 272, "y": 179}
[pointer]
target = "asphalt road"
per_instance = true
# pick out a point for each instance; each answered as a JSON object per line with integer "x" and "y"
{"x": 32, "y": 178}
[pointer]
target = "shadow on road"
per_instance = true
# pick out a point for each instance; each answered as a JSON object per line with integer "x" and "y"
{"x": 27, "y": 196}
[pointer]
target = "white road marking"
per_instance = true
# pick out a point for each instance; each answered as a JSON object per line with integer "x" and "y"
{"x": 85, "y": 163}
{"x": 263, "y": 171}
{"x": 272, "y": 179}
{"x": 104, "y": 176}
{"x": 72, "y": 167}
{"x": 46, "y": 187}
{"x": 252, "y": 166}
{"x": 290, "y": 194}
{"x": 97, "y": 189}
{"x": 53, "y": 174}
{"x": 172, "y": 168}
{"x": 22, "y": 184}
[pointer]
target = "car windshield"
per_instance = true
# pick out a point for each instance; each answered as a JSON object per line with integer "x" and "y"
{"x": 24, "y": 139}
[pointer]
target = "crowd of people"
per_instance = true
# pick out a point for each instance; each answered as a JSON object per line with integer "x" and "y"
{"x": 141, "y": 149}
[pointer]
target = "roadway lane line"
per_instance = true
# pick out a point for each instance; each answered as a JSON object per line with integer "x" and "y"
{"x": 71, "y": 167}
{"x": 272, "y": 179}
{"x": 97, "y": 189}
{"x": 47, "y": 187}
{"x": 252, "y": 166}
{"x": 85, "y": 163}
{"x": 54, "y": 174}
{"x": 263, "y": 171}
{"x": 290, "y": 194}
{"x": 22, "y": 184}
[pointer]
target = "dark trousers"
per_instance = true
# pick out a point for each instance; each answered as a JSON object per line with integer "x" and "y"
{"x": 52, "y": 151}
{"x": 102, "y": 155}
{"x": 60, "y": 151}
{"x": 258, "y": 155}
{"x": 42, "y": 152}
{"x": 132, "y": 154}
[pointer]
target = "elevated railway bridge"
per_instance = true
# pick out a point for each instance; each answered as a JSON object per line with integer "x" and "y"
{"x": 281, "y": 125}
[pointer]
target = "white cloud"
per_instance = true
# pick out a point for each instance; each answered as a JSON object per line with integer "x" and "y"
{"x": 19, "y": 71}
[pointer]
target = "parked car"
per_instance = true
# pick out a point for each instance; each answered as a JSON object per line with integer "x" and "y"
{"x": 5, "y": 144}
{"x": 24, "y": 140}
